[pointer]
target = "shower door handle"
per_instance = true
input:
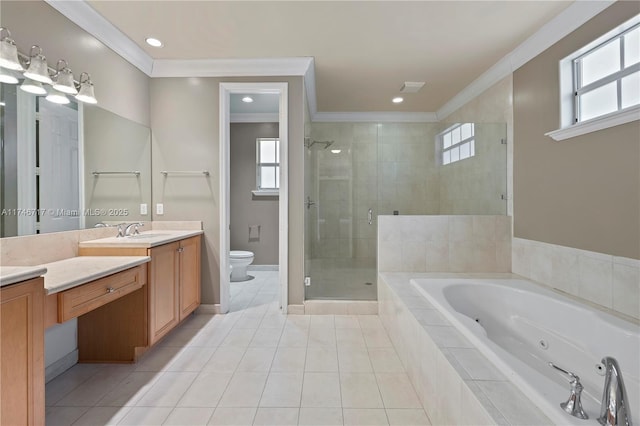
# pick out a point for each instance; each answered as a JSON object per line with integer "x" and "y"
{"x": 370, "y": 216}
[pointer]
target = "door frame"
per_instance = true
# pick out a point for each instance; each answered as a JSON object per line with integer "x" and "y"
{"x": 226, "y": 89}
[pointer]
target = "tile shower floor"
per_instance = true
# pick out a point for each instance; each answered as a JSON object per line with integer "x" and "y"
{"x": 251, "y": 366}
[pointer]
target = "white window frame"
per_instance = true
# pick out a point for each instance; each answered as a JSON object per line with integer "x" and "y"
{"x": 570, "y": 89}
{"x": 442, "y": 149}
{"x": 260, "y": 190}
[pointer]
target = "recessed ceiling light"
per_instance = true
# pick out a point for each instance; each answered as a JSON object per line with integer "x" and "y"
{"x": 397, "y": 100}
{"x": 247, "y": 99}
{"x": 153, "y": 42}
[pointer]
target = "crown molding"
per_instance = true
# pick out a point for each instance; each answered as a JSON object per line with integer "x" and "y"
{"x": 556, "y": 29}
{"x": 375, "y": 117}
{"x": 267, "y": 117}
{"x": 87, "y": 18}
{"x": 83, "y": 15}
{"x": 260, "y": 67}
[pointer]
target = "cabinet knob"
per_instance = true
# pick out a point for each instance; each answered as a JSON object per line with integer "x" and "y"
{"x": 110, "y": 290}
{"x": 181, "y": 249}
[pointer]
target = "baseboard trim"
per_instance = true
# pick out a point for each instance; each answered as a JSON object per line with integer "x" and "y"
{"x": 208, "y": 309}
{"x": 295, "y": 309}
{"x": 60, "y": 366}
{"x": 263, "y": 268}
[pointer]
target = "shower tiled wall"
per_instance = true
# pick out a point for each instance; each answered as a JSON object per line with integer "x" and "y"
{"x": 390, "y": 167}
{"x": 407, "y": 170}
{"x": 343, "y": 185}
{"x": 477, "y": 185}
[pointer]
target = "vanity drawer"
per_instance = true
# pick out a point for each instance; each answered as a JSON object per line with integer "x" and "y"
{"x": 87, "y": 297}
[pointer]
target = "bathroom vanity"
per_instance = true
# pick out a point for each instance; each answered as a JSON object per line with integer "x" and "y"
{"x": 173, "y": 273}
{"x": 126, "y": 294}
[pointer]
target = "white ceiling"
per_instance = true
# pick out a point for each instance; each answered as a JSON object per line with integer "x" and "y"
{"x": 363, "y": 50}
{"x": 262, "y": 104}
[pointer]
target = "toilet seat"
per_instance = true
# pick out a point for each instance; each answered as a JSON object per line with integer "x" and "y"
{"x": 240, "y": 254}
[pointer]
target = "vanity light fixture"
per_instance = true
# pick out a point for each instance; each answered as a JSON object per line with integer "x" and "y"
{"x": 38, "y": 72}
{"x": 9, "y": 52}
{"x": 38, "y": 69}
{"x": 336, "y": 151}
{"x": 86, "y": 93}
{"x": 57, "y": 97}
{"x": 8, "y": 76}
{"x": 64, "y": 79}
{"x": 153, "y": 42}
{"x": 32, "y": 86}
{"x": 397, "y": 100}
{"x": 247, "y": 99}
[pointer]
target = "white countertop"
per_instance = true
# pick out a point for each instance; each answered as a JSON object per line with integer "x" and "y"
{"x": 14, "y": 274}
{"x": 146, "y": 239}
{"x": 75, "y": 271}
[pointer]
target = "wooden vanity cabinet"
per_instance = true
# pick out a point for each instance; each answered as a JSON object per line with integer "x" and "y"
{"x": 164, "y": 296}
{"x": 173, "y": 281}
{"x": 175, "y": 289}
{"x": 189, "y": 276}
{"x": 22, "y": 353}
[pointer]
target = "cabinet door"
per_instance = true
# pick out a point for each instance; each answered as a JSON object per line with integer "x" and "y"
{"x": 22, "y": 353}
{"x": 189, "y": 276}
{"x": 163, "y": 290}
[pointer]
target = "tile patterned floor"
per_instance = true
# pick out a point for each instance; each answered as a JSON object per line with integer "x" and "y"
{"x": 251, "y": 366}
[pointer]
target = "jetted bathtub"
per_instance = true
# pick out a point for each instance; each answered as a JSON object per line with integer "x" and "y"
{"x": 521, "y": 327}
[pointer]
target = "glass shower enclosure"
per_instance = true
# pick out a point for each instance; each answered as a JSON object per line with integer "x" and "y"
{"x": 355, "y": 172}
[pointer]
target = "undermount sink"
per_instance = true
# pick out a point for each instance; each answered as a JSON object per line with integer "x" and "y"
{"x": 145, "y": 235}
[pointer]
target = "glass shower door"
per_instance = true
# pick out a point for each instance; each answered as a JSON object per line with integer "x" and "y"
{"x": 341, "y": 205}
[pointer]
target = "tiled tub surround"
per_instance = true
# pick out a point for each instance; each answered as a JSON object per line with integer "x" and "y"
{"x": 454, "y": 381}
{"x": 444, "y": 244}
{"x": 595, "y": 278}
{"x": 528, "y": 314}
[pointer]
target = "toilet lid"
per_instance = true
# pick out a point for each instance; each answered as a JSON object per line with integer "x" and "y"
{"x": 241, "y": 254}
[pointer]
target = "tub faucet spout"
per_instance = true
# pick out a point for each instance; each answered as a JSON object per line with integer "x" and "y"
{"x": 614, "y": 410}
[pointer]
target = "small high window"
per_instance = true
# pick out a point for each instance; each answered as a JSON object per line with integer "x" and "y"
{"x": 600, "y": 83}
{"x": 268, "y": 164}
{"x": 607, "y": 77}
{"x": 457, "y": 143}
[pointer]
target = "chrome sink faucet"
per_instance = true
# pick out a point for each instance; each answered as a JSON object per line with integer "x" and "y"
{"x": 121, "y": 230}
{"x": 614, "y": 410}
{"x": 135, "y": 226}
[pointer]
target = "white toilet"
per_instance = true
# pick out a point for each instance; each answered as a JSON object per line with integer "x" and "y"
{"x": 239, "y": 261}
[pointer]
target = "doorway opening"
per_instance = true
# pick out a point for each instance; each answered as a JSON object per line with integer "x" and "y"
{"x": 240, "y": 230}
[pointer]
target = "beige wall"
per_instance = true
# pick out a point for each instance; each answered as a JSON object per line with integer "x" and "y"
{"x": 248, "y": 210}
{"x": 119, "y": 86}
{"x": 185, "y": 136}
{"x": 582, "y": 192}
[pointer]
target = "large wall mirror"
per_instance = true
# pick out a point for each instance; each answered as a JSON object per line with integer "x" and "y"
{"x": 66, "y": 167}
